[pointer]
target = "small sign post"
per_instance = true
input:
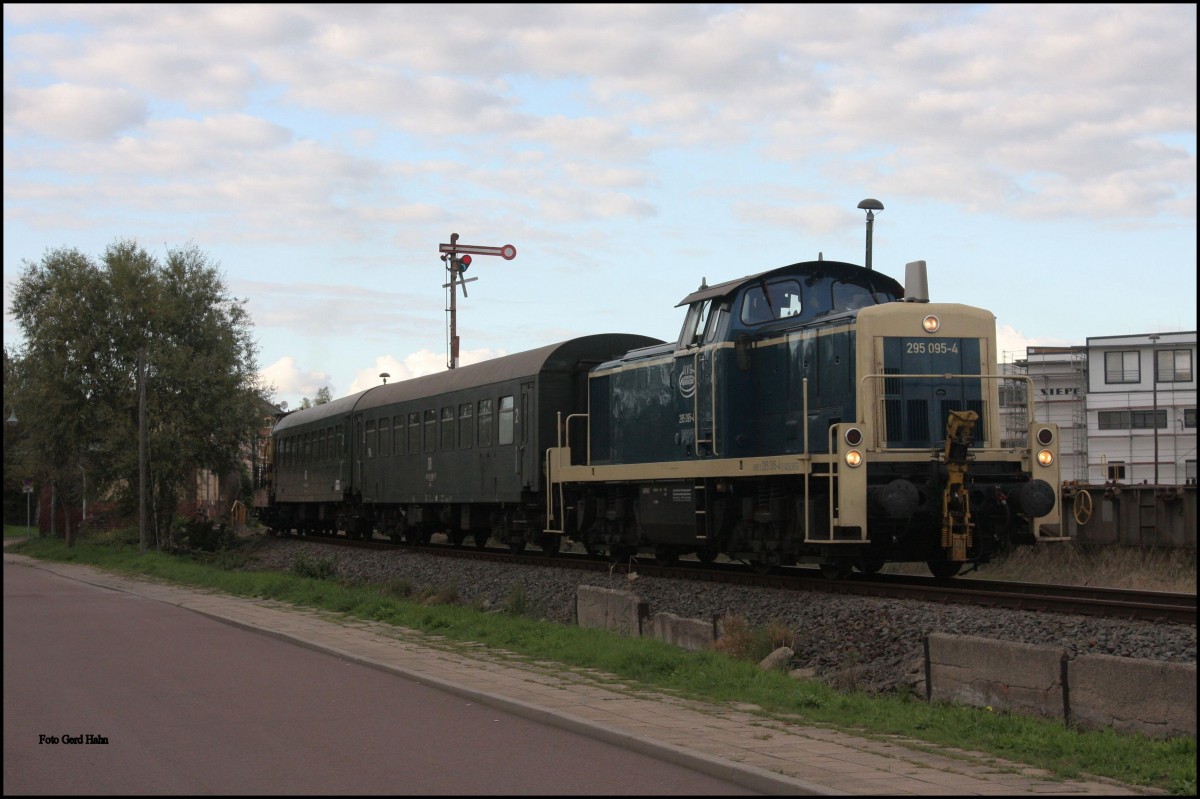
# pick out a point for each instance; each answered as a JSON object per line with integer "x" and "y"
{"x": 457, "y": 258}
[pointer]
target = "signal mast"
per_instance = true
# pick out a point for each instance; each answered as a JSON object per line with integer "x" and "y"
{"x": 457, "y": 258}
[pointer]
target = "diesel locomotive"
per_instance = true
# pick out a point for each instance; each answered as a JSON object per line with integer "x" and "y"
{"x": 815, "y": 413}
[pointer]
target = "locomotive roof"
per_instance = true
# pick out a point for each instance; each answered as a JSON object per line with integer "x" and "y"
{"x": 877, "y": 281}
{"x": 593, "y": 349}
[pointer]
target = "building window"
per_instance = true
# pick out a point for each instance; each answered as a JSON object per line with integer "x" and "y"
{"x": 507, "y": 407}
{"x": 1189, "y": 470}
{"x": 1146, "y": 420}
{"x": 1122, "y": 367}
{"x": 1189, "y": 417}
{"x": 1131, "y": 420}
{"x": 1116, "y": 471}
{"x": 1174, "y": 366}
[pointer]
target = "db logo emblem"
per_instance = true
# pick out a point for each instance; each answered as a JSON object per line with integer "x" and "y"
{"x": 687, "y": 382}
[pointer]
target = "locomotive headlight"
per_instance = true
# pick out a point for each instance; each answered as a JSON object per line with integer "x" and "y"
{"x": 1045, "y": 436}
{"x": 854, "y": 436}
{"x": 854, "y": 458}
{"x": 1045, "y": 457}
{"x": 931, "y": 324}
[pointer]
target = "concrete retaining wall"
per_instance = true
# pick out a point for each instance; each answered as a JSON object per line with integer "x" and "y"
{"x": 1092, "y": 691}
{"x": 1147, "y": 696}
{"x": 1022, "y": 678}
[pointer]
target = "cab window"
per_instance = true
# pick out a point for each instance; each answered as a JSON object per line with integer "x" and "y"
{"x": 767, "y": 302}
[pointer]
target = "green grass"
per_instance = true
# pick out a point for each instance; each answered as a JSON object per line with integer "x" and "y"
{"x": 640, "y": 663}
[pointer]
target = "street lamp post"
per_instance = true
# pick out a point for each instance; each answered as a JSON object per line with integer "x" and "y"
{"x": 870, "y": 206}
{"x": 1154, "y": 391}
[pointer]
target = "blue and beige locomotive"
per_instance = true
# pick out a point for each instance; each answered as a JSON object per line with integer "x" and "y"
{"x": 813, "y": 413}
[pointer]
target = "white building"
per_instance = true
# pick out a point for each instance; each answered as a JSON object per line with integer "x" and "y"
{"x": 1113, "y": 416}
{"x": 1141, "y": 408}
{"x": 1059, "y": 386}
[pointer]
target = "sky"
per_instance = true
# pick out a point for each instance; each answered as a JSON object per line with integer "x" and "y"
{"x": 1040, "y": 158}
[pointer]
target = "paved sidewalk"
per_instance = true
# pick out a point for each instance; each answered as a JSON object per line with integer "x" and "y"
{"x": 730, "y": 742}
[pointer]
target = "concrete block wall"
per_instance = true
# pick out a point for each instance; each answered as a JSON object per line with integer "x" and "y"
{"x": 1091, "y": 691}
{"x": 1021, "y": 678}
{"x": 1152, "y": 697}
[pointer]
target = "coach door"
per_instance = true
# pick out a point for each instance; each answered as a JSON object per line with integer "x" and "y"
{"x": 526, "y": 439}
{"x": 356, "y": 454}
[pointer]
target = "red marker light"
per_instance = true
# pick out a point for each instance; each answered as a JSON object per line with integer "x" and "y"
{"x": 463, "y": 263}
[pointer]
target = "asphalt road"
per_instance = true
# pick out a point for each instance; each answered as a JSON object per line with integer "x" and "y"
{"x": 177, "y": 703}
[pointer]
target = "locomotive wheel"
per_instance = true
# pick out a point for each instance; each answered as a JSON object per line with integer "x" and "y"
{"x": 666, "y": 556}
{"x": 869, "y": 565}
{"x": 550, "y": 544}
{"x": 1082, "y": 507}
{"x": 836, "y": 569}
{"x": 944, "y": 569}
{"x": 762, "y": 566}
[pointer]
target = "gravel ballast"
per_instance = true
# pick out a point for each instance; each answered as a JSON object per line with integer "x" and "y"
{"x": 876, "y": 644}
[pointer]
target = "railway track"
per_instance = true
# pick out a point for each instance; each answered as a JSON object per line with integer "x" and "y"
{"x": 1154, "y": 606}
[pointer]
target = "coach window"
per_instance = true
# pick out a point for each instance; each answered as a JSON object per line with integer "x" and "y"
{"x": 414, "y": 434}
{"x": 485, "y": 423}
{"x": 398, "y": 435}
{"x": 505, "y": 434}
{"x": 430, "y": 430}
{"x": 385, "y": 436}
{"x": 319, "y": 450}
{"x": 447, "y": 429}
{"x": 371, "y": 439}
{"x": 465, "y": 420}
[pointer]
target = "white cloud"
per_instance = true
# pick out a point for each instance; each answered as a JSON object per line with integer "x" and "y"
{"x": 69, "y": 111}
{"x": 416, "y": 364}
{"x": 289, "y": 379}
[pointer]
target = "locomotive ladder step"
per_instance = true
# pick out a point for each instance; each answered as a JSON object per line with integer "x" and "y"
{"x": 700, "y": 494}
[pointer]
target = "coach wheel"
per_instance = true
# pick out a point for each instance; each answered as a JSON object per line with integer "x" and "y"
{"x": 481, "y": 540}
{"x": 516, "y": 547}
{"x": 1083, "y": 507}
{"x": 457, "y": 537}
{"x": 944, "y": 569}
{"x": 666, "y": 556}
{"x": 706, "y": 555}
{"x": 836, "y": 569}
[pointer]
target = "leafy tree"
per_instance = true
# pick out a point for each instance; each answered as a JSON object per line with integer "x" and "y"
{"x": 324, "y": 395}
{"x": 84, "y": 324}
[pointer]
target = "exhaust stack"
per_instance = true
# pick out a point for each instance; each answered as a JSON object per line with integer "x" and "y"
{"x": 916, "y": 282}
